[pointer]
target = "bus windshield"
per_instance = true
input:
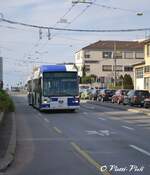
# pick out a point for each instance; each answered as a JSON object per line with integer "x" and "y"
{"x": 60, "y": 84}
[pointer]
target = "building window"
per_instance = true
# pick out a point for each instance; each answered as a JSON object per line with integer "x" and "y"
{"x": 91, "y": 61}
{"x": 118, "y": 68}
{"x": 139, "y": 72}
{"x": 107, "y": 54}
{"x": 118, "y": 55}
{"x": 146, "y": 69}
{"x": 147, "y": 83}
{"x": 87, "y": 68}
{"x": 128, "y": 68}
{"x": 107, "y": 67}
{"x": 139, "y": 55}
{"x": 148, "y": 49}
{"x": 128, "y": 55}
{"x": 87, "y": 54}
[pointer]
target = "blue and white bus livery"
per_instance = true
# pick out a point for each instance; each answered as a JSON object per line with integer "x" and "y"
{"x": 54, "y": 87}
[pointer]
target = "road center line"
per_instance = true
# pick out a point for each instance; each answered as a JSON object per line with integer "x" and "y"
{"x": 140, "y": 150}
{"x": 127, "y": 127}
{"x": 86, "y": 156}
{"x": 39, "y": 114}
{"x": 46, "y": 120}
{"x": 101, "y": 118}
{"x": 57, "y": 130}
{"x": 85, "y": 113}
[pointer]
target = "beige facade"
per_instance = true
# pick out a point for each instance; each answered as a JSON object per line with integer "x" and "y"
{"x": 102, "y": 59}
{"x": 142, "y": 71}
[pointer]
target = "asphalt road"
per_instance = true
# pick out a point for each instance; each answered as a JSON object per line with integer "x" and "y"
{"x": 82, "y": 143}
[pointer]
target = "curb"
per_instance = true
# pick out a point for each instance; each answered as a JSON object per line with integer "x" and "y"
{"x": 10, "y": 153}
{"x": 139, "y": 111}
{"x": 1, "y": 116}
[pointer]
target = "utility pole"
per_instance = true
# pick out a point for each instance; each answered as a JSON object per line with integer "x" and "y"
{"x": 115, "y": 64}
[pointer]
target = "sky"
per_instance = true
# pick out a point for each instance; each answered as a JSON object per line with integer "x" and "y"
{"x": 21, "y": 48}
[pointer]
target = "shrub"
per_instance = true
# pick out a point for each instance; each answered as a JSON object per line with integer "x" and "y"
{"x": 6, "y": 103}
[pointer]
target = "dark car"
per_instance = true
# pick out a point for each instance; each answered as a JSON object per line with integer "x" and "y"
{"x": 106, "y": 95}
{"x": 136, "y": 97}
{"x": 119, "y": 96}
{"x": 147, "y": 102}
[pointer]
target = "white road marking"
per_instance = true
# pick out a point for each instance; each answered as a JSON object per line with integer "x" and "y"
{"x": 46, "y": 120}
{"x": 94, "y": 133}
{"x": 39, "y": 114}
{"x": 100, "y": 132}
{"x": 127, "y": 127}
{"x": 140, "y": 150}
{"x": 101, "y": 118}
{"x": 85, "y": 113}
{"x": 89, "y": 107}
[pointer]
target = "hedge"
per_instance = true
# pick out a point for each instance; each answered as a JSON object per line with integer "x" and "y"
{"x": 6, "y": 103}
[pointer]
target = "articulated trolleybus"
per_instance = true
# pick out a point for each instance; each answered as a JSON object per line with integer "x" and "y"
{"x": 54, "y": 87}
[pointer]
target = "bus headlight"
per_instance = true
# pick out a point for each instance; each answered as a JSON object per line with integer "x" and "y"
{"x": 77, "y": 99}
{"x": 45, "y": 101}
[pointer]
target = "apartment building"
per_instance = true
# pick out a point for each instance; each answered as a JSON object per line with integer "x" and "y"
{"x": 142, "y": 70}
{"x": 107, "y": 59}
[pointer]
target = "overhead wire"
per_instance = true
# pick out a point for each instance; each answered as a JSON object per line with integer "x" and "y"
{"x": 114, "y": 8}
{"x": 75, "y": 30}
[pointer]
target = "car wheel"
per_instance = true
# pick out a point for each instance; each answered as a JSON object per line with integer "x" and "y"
{"x": 145, "y": 106}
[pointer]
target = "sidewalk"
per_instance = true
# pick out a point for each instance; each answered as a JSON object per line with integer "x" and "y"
{"x": 7, "y": 140}
{"x": 5, "y": 133}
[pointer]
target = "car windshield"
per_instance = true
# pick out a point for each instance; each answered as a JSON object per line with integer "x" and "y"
{"x": 125, "y": 92}
{"x": 110, "y": 91}
{"x": 142, "y": 93}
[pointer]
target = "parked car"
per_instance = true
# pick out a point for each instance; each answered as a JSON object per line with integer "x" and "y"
{"x": 105, "y": 95}
{"x": 136, "y": 97}
{"x": 93, "y": 95}
{"x": 85, "y": 94}
{"x": 119, "y": 96}
{"x": 147, "y": 102}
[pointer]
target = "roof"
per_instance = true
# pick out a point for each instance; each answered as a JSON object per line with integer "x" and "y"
{"x": 146, "y": 41}
{"x": 52, "y": 68}
{"x": 120, "y": 45}
{"x": 57, "y": 68}
{"x": 139, "y": 64}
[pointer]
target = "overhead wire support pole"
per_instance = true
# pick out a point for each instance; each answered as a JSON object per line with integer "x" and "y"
{"x": 115, "y": 63}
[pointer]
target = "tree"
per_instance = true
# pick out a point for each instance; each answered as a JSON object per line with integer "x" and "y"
{"x": 83, "y": 71}
{"x": 127, "y": 82}
{"x": 93, "y": 78}
{"x": 88, "y": 79}
{"x": 120, "y": 81}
